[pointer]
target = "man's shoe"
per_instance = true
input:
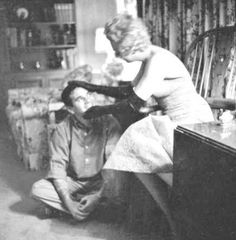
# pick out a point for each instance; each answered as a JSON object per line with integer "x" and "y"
{"x": 47, "y": 212}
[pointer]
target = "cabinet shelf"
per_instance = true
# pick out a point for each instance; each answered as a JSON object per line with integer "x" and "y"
{"x": 40, "y": 72}
{"x": 29, "y": 24}
{"x": 42, "y": 44}
{"x": 43, "y": 47}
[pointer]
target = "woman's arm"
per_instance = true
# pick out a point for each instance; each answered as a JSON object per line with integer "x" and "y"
{"x": 120, "y": 92}
{"x": 128, "y": 106}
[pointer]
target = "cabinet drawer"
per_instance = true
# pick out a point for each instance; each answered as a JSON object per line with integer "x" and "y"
{"x": 27, "y": 83}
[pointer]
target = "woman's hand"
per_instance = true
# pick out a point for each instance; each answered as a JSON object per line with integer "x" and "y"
{"x": 95, "y": 111}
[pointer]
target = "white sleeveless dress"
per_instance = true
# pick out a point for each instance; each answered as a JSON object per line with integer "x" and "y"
{"x": 147, "y": 145}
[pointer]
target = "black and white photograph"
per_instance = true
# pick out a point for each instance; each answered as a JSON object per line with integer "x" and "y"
{"x": 118, "y": 119}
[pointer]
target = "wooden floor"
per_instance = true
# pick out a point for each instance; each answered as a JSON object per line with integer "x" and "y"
{"x": 19, "y": 213}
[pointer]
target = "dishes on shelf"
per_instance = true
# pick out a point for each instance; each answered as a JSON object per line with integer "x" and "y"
{"x": 41, "y": 35}
{"x": 22, "y": 13}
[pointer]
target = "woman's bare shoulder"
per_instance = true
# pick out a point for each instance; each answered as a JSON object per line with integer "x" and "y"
{"x": 166, "y": 64}
{"x": 159, "y": 57}
{"x": 159, "y": 53}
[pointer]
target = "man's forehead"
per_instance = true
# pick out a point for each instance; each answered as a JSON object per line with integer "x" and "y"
{"x": 79, "y": 92}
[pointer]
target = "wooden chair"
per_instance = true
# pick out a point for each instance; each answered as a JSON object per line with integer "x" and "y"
{"x": 211, "y": 60}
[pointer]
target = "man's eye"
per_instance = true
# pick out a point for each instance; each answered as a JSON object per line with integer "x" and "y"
{"x": 79, "y": 99}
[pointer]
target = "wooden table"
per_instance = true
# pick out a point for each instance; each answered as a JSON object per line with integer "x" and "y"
{"x": 203, "y": 199}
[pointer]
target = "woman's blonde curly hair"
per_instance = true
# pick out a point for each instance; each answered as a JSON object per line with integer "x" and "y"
{"x": 130, "y": 34}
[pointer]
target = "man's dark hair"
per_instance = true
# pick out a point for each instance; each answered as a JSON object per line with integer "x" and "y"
{"x": 65, "y": 95}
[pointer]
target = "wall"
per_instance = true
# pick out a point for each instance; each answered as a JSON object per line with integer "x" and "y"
{"x": 92, "y": 14}
{"x": 4, "y": 58}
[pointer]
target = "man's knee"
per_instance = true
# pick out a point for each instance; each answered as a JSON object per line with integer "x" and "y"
{"x": 38, "y": 189}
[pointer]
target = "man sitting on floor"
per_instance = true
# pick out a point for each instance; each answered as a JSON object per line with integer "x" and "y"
{"x": 78, "y": 150}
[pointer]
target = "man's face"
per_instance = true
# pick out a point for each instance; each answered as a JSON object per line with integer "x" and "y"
{"x": 80, "y": 100}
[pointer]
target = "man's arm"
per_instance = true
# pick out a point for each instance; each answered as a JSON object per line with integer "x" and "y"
{"x": 74, "y": 207}
{"x": 62, "y": 190}
{"x": 59, "y": 160}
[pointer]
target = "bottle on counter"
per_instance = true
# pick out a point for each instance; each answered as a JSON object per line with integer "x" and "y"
{"x": 21, "y": 66}
{"x": 37, "y": 65}
{"x": 29, "y": 38}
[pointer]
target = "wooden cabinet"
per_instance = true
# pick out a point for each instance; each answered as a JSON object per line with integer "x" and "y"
{"x": 204, "y": 190}
{"x": 144, "y": 217}
{"x": 41, "y": 40}
{"x": 49, "y": 78}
